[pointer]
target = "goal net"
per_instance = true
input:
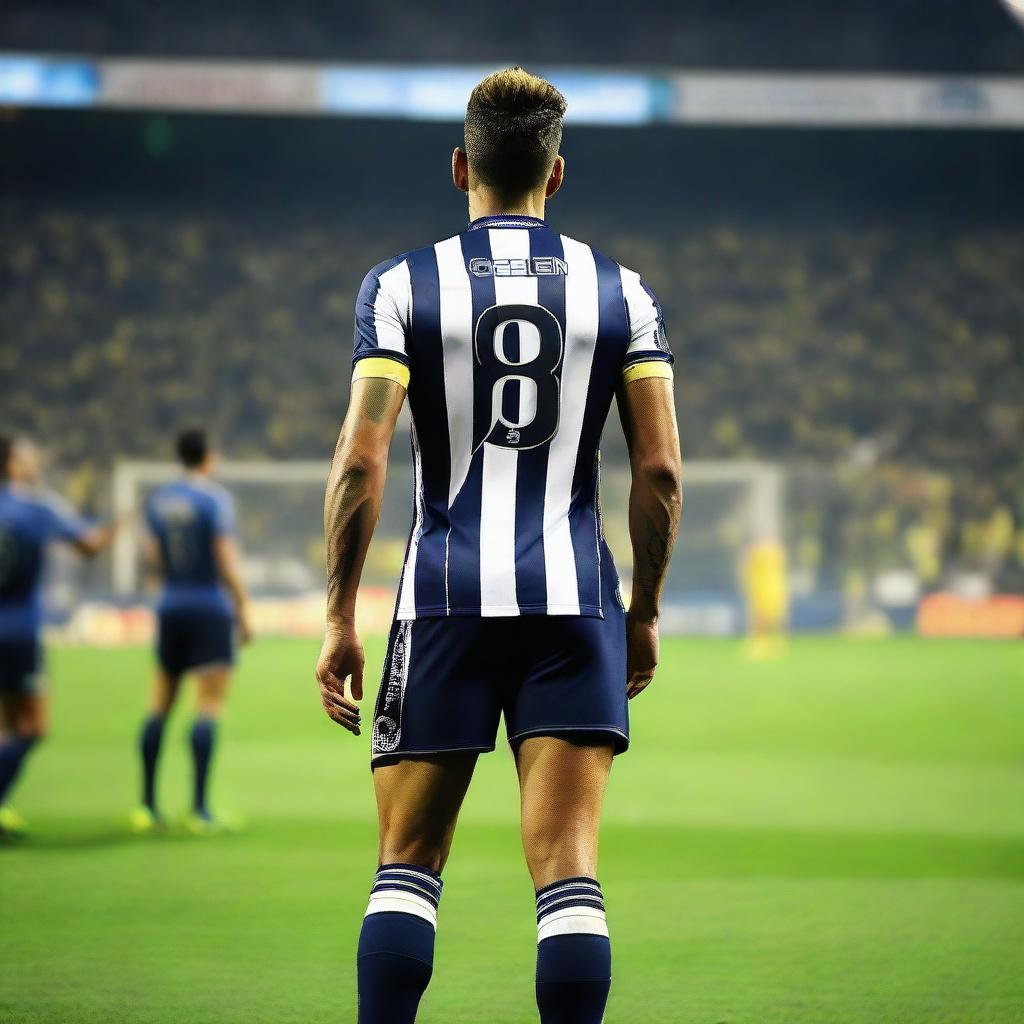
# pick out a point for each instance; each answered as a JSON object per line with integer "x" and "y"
{"x": 727, "y": 507}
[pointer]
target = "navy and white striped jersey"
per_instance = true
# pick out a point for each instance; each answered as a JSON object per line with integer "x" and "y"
{"x": 511, "y": 340}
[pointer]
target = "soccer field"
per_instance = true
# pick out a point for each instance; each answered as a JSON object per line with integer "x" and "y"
{"x": 834, "y": 837}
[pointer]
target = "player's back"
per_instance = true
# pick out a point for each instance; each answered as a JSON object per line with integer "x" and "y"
{"x": 513, "y": 339}
{"x": 28, "y": 522}
{"x": 186, "y": 518}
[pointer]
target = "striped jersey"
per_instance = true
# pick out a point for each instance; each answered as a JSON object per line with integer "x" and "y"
{"x": 511, "y": 340}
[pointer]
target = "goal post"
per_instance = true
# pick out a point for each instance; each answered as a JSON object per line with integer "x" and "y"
{"x": 728, "y": 506}
{"x": 132, "y": 479}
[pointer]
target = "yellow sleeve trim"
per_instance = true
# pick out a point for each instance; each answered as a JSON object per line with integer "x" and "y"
{"x": 652, "y": 368}
{"x": 381, "y": 366}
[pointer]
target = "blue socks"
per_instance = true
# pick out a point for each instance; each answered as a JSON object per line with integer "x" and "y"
{"x": 13, "y": 752}
{"x": 574, "y": 956}
{"x": 396, "y": 948}
{"x": 149, "y": 746}
{"x": 203, "y": 737}
{"x": 396, "y": 944}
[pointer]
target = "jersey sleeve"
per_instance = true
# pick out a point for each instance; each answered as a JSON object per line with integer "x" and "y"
{"x": 149, "y": 515}
{"x": 647, "y": 354}
{"x": 65, "y": 523}
{"x": 224, "y": 518}
{"x": 382, "y": 323}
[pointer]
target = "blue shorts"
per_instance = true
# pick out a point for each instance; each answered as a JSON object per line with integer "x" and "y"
{"x": 447, "y": 681}
{"x": 21, "y": 667}
{"x": 190, "y": 639}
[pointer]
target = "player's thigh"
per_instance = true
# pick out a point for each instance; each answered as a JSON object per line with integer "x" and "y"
{"x": 212, "y": 686}
{"x": 562, "y": 785}
{"x": 164, "y": 691}
{"x": 10, "y": 705}
{"x": 418, "y": 802}
{"x": 25, "y": 714}
{"x": 24, "y": 698}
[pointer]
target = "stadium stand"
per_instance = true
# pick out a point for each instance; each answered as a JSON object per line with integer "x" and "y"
{"x": 880, "y": 35}
{"x": 858, "y": 350}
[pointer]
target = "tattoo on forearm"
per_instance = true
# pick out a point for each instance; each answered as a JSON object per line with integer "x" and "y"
{"x": 346, "y": 495}
{"x": 655, "y": 552}
{"x": 353, "y": 492}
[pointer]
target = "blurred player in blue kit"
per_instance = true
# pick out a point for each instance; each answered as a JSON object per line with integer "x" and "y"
{"x": 203, "y": 601}
{"x": 30, "y": 519}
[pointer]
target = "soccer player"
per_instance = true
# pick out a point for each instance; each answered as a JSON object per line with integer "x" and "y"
{"x": 510, "y": 340}
{"x": 203, "y": 600}
{"x": 767, "y": 593}
{"x": 29, "y": 520}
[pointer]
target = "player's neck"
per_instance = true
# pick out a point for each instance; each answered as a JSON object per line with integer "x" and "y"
{"x": 484, "y": 203}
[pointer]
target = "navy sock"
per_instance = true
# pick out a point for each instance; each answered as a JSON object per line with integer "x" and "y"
{"x": 204, "y": 735}
{"x": 396, "y": 943}
{"x": 149, "y": 745}
{"x": 574, "y": 956}
{"x": 13, "y": 752}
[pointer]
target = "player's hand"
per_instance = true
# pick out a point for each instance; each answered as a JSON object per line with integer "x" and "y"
{"x": 641, "y": 653}
{"x": 245, "y": 633}
{"x": 341, "y": 658}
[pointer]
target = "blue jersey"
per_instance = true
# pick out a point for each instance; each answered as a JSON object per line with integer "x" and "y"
{"x": 186, "y": 518}
{"x": 28, "y": 523}
{"x": 511, "y": 340}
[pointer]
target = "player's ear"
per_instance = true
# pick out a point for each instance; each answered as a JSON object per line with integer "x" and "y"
{"x": 555, "y": 177}
{"x": 460, "y": 169}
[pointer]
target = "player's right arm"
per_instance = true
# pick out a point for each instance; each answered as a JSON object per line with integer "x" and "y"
{"x": 229, "y": 565}
{"x": 86, "y": 538}
{"x": 355, "y": 486}
{"x": 351, "y": 510}
{"x": 648, "y": 414}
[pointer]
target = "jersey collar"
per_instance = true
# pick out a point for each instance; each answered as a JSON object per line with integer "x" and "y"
{"x": 507, "y": 220}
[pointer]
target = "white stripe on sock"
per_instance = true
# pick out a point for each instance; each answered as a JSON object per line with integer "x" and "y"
{"x": 401, "y": 902}
{"x": 399, "y": 882}
{"x": 572, "y": 900}
{"x": 418, "y": 875}
{"x": 591, "y": 887}
{"x": 573, "y": 921}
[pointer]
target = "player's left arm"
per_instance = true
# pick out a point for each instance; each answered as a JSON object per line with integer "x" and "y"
{"x": 355, "y": 488}
{"x": 95, "y": 540}
{"x": 229, "y": 565}
{"x": 648, "y": 415}
{"x": 88, "y": 539}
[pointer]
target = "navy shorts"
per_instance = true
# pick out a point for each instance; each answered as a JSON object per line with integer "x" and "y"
{"x": 21, "y": 667}
{"x": 447, "y": 681}
{"x": 190, "y": 639}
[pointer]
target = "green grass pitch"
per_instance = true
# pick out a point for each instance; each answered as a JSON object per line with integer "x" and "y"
{"x": 836, "y": 837}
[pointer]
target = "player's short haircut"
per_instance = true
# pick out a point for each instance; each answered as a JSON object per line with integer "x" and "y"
{"x": 6, "y": 450}
{"x": 513, "y": 131}
{"x": 193, "y": 447}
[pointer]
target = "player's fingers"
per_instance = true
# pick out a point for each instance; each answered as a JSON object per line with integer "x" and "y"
{"x": 342, "y": 716}
{"x": 352, "y": 727}
{"x": 339, "y": 700}
{"x": 357, "y": 682}
{"x": 638, "y": 684}
{"x": 329, "y": 681}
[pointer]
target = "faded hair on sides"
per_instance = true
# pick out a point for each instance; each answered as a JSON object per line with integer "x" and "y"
{"x": 513, "y": 131}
